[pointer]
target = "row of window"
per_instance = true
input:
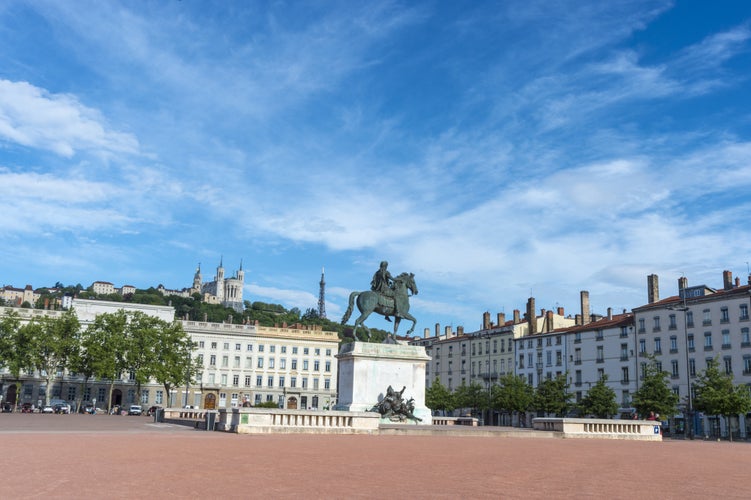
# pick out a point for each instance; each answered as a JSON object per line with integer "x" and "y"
{"x": 706, "y": 318}
{"x": 281, "y": 381}
{"x": 745, "y": 338}
{"x": 260, "y": 363}
{"x": 261, "y": 348}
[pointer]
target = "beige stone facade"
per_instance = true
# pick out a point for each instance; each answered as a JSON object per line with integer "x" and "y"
{"x": 295, "y": 367}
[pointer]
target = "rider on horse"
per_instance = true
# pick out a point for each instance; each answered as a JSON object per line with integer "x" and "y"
{"x": 382, "y": 283}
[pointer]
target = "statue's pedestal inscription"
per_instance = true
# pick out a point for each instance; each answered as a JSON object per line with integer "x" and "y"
{"x": 367, "y": 370}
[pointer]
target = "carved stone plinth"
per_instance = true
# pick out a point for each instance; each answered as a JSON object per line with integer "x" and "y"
{"x": 367, "y": 370}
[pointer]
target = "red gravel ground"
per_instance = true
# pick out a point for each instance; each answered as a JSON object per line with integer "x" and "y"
{"x": 67, "y": 456}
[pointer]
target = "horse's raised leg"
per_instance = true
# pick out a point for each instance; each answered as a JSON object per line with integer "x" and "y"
{"x": 414, "y": 323}
{"x": 360, "y": 322}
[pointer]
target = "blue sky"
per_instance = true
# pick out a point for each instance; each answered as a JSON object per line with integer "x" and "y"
{"x": 498, "y": 150}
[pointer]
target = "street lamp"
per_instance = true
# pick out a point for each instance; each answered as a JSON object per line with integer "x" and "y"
{"x": 689, "y": 410}
{"x": 187, "y": 380}
{"x": 490, "y": 403}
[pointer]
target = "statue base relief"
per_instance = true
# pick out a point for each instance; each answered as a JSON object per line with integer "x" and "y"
{"x": 367, "y": 370}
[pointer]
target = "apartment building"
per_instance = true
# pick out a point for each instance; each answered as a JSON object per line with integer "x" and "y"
{"x": 686, "y": 330}
{"x": 586, "y": 353}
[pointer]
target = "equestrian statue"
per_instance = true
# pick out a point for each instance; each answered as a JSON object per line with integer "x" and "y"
{"x": 388, "y": 296}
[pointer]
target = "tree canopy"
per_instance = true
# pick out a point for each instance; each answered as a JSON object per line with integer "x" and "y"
{"x": 717, "y": 395}
{"x": 599, "y": 401}
{"x": 552, "y": 396}
{"x": 655, "y": 394}
{"x": 513, "y": 394}
{"x": 438, "y": 397}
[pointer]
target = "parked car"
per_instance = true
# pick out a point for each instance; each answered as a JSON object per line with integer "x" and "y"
{"x": 135, "y": 410}
{"x": 27, "y": 408}
{"x": 48, "y": 409}
{"x": 89, "y": 408}
{"x": 62, "y": 408}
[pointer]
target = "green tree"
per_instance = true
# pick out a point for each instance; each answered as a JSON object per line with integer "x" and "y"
{"x": 51, "y": 344}
{"x": 600, "y": 400}
{"x": 552, "y": 396}
{"x": 473, "y": 396}
{"x": 82, "y": 361}
{"x": 142, "y": 336}
{"x": 438, "y": 397}
{"x": 513, "y": 394}
{"x": 106, "y": 341}
{"x": 14, "y": 352}
{"x": 655, "y": 394}
{"x": 717, "y": 395}
{"x": 174, "y": 365}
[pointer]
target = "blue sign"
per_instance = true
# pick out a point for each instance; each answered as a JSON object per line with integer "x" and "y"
{"x": 657, "y": 429}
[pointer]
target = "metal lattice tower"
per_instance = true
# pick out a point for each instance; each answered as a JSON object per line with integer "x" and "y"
{"x": 322, "y": 298}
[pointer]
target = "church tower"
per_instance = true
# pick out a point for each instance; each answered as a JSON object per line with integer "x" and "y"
{"x": 220, "y": 280}
{"x": 322, "y": 297}
{"x": 197, "y": 279}
{"x": 241, "y": 273}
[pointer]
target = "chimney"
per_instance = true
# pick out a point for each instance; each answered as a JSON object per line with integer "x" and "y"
{"x": 549, "y": 319}
{"x": 437, "y": 329}
{"x": 485, "y": 320}
{"x": 585, "y": 306}
{"x": 653, "y": 289}
{"x": 737, "y": 281}
{"x": 447, "y": 331}
{"x": 531, "y": 319}
{"x": 578, "y": 319}
{"x": 561, "y": 312}
{"x": 610, "y": 313}
{"x": 426, "y": 333}
{"x": 682, "y": 285}
{"x": 460, "y": 330}
{"x": 501, "y": 319}
{"x": 517, "y": 318}
{"x": 727, "y": 280}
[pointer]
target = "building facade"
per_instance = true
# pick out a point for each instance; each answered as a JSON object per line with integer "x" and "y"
{"x": 584, "y": 354}
{"x": 294, "y": 366}
{"x": 684, "y": 331}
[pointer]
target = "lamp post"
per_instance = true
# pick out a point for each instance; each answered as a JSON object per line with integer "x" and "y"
{"x": 490, "y": 403}
{"x": 187, "y": 380}
{"x": 689, "y": 406}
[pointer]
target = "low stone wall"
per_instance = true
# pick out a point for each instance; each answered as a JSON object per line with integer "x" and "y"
{"x": 600, "y": 428}
{"x": 180, "y": 416}
{"x": 470, "y": 421}
{"x": 266, "y": 421}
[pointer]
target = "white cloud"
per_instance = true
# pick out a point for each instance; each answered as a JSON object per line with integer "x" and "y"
{"x": 32, "y": 117}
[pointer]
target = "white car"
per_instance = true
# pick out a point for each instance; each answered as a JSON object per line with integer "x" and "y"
{"x": 48, "y": 409}
{"x": 135, "y": 410}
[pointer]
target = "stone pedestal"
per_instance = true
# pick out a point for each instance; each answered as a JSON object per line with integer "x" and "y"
{"x": 366, "y": 371}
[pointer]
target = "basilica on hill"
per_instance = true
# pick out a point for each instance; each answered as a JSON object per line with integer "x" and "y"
{"x": 225, "y": 291}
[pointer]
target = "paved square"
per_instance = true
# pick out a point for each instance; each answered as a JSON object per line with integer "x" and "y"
{"x": 67, "y": 456}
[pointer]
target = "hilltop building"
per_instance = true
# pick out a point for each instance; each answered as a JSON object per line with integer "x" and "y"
{"x": 225, "y": 291}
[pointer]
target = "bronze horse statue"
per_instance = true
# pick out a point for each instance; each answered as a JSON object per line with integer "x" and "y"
{"x": 370, "y": 301}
